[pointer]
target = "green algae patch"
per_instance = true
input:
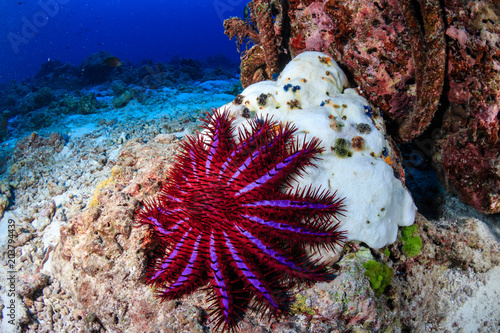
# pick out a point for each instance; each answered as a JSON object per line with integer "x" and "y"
{"x": 380, "y": 275}
{"x": 342, "y": 148}
{"x": 300, "y": 306}
{"x": 412, "y": 243}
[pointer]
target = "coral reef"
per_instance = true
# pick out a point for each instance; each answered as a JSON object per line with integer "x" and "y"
{"x": 399, "y": 68}
{"x": 99, "y": 282}
{"x": 58, "y": 75}
{"x": 5, "y": 195}
{"x": 30, "y": 145}
{"x": 452, "y": 253}
{"x": 87, "y": 104}
{"x": 122, "y": 100}
{"x": 263, "y": 13}
{"x": 3, "y": 125}
{"x": 86, "y": 183}
{"x": 101, "y": 252}
{"x": 118, "y": 87}
{"x": 94, "y": 68}
{"x": 32, "y": 101}
{"x": 30, "y": 157}
{"x": 418, "y": 61}
{"x": 61, "y": 88}
{"x": 29, "y": 284}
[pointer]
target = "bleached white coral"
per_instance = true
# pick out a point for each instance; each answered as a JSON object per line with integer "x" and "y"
{"x": 312, "y": 93}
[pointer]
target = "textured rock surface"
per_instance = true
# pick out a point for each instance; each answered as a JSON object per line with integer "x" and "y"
{"x": 371, "y": 40}
{"x": 457, "y": 262}
{"x": 52, "y": 179}
{"x": 267, "y": 29}
{"x": 468, "y": 147}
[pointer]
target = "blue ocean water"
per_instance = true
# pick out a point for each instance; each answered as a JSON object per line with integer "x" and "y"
{"x": 34, "y": 31}
{"x": 76, "y": 76}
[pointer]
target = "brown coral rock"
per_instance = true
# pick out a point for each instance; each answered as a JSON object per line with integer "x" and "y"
{"x": 265, "y": 24}
{"x": 397, "y": 61}
{"x": 468, "y": 152}
{"x": 269, "y": 54}
{"x": 471, "y": 168}
{"x": 239, "y": 29}
{"x": 429, "y": 58}
{"x": 27, "y": 145}
{"x": 253, "y": 66}
{"x": 99, "y": 262}
{"x": 398, "y": 64}
{"x": 372, "y": 40}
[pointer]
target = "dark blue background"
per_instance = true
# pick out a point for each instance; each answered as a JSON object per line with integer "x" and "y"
{"x": 130, "y": 29}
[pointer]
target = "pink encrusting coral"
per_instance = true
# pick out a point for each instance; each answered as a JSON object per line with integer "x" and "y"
{"x": 468, "y": 148}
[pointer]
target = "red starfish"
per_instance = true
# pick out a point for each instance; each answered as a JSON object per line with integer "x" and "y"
{"x": 229, "y": 220}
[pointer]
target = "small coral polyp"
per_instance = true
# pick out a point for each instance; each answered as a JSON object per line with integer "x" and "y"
{"x": 228, "y": 219}
{"x": 312, "y": 93}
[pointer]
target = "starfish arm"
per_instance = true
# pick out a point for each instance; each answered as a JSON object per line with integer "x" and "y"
{"x": 161, "y": 220}
{"x": 251, "y": 275}
{"x": 279, "y": 261}
{"x": 220, "y": 143}
{"x": 304, "y": 216}
{"x": 264, "y": 175}
{"x": 306, "y": 202}
{"x": 296, "y": 234}
{"x": 271, "y": 147}
{"x": 192, "y": 158}
{"x": 181, "y": 269}
{"x": 310, "y": 208}
{"x": 248, "y": 141}
{"x": 192, "y": 275}
{"x": 166, "y": 265}
{"x": 225, "y": 308}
